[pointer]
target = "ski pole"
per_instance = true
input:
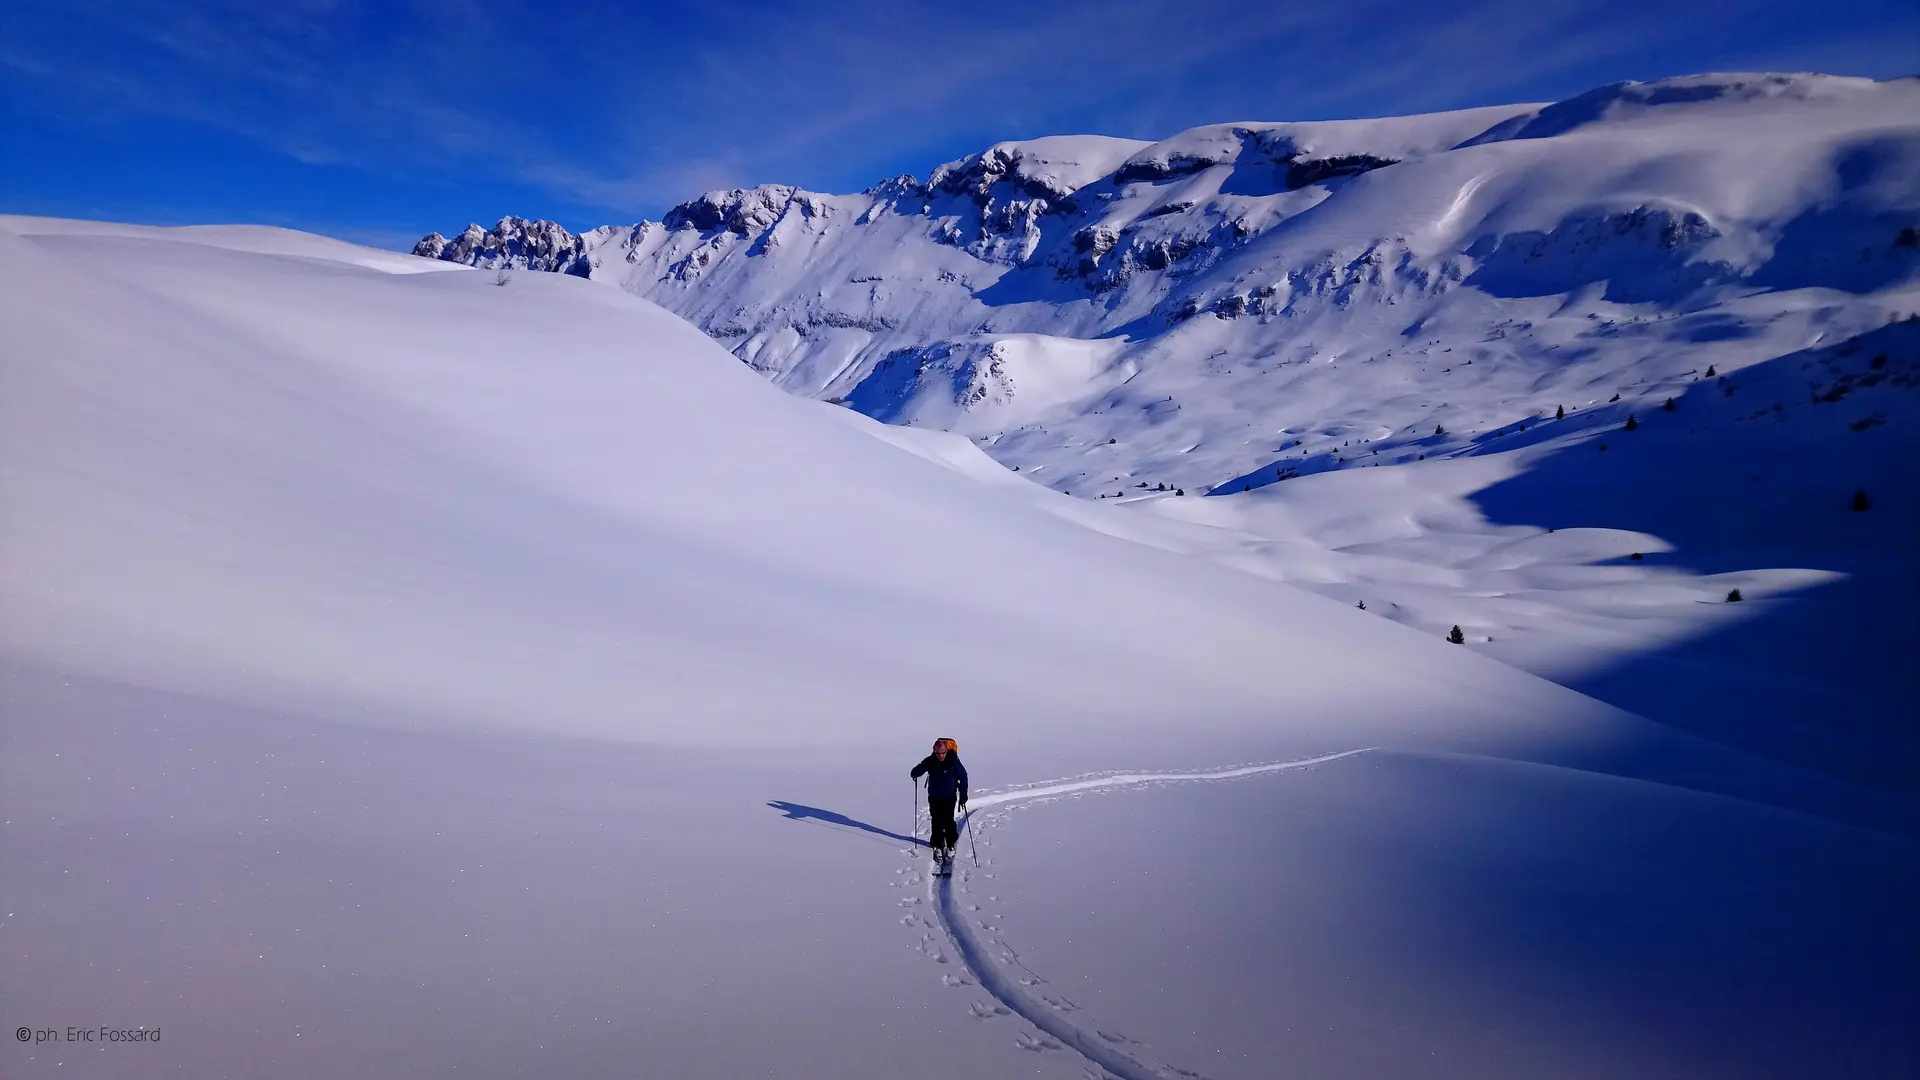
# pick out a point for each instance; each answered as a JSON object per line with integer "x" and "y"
{"x": 968, "y": 820}
{"x": 913, "y": 808}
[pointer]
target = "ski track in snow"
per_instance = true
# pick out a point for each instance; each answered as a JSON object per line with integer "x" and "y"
{"x": 988, "y": 960}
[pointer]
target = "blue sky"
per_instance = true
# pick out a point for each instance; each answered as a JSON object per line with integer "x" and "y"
{"x": 380, "y": 120}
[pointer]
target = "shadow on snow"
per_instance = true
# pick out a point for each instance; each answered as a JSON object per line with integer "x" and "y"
{"x": 797, "y": 812}
{"x": 1758, "y": 469}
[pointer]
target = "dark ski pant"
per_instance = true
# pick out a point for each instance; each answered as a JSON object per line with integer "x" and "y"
{"x": 945, "y": 833}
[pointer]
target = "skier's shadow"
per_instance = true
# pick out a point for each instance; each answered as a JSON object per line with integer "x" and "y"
{"x": 797, "y": 812}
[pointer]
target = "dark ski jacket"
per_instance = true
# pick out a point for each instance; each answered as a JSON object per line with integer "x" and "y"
{"x": 945, "y": 779}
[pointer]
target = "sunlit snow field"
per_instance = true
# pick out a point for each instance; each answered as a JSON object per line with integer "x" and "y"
{"x": 408, "y": 674}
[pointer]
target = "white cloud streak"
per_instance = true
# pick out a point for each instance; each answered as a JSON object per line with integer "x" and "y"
{"x": 626, "y": 110}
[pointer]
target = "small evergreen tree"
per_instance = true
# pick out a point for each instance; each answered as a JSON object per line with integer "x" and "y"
{"x": 1439, "y": 429}
{"x": 1860, "y": 501}
{"x": 1363, "y": 605}
{"x": 1632, "y": 424}
{"x": 1636, "y": 556}
{"x": 1559, "y": 412}
{"x": 1613, "y": 399}
{"x": 1669, "y": 406}
{"x": 1179, "y": 491}
{"x": 1710, "y": 371}
{"x": 1734, "y": 597}
{"x": 1457, "y": 637}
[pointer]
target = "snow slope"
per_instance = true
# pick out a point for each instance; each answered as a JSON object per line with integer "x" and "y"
{"x": 345, "y": 464}
{"x": 406, "y": 673}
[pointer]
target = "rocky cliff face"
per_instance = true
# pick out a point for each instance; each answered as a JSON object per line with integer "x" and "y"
{"x": 512, "y": 243}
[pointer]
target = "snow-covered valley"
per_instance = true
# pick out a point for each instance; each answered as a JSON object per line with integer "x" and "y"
{"x": 1474, "y": 303}
{"x": 415, "y": 669}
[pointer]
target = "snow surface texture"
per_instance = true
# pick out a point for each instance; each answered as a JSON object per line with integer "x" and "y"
{"x": 1518, "y": 911}
{"x": 1012, "y": 983}
{"x": 406, "y": 673}
{"x": 1473, "y": 304}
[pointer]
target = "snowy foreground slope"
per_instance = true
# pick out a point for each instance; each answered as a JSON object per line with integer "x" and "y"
{"x": 408, "y": 675}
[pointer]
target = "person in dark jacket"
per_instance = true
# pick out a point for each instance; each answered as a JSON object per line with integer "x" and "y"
{"x": 946, "y": 787}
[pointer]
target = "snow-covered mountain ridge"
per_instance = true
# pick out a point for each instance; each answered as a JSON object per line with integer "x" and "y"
{"x": 1362, "y": 282}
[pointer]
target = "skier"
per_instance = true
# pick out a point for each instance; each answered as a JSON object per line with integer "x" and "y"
{"x": 946, "y": 785}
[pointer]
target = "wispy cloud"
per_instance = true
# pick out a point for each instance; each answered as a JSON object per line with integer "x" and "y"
{"x": 621, "y": 109}
{"x": 292, "y": 74}
{"x": 648, "y": 185}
